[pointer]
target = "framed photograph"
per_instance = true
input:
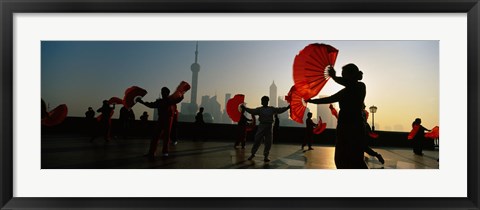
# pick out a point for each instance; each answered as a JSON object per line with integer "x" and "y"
{"x": 126, "y": 59}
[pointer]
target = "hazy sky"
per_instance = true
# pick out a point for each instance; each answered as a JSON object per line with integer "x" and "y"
{"x": 402, "y": 77}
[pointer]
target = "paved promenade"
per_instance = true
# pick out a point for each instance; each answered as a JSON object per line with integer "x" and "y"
{"x": 79, "y": 153}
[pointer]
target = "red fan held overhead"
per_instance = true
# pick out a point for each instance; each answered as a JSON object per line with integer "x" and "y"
{"x": 233, "y": 107}
{"x": 56, "y": 116}
{"x": 131, "y": 95}
{"x": 434, "y": 134}
{"x": 310, "y": 68}
{"x": 182, "y": 88}
{"x": 320, "y": 126}
{"x": 297, "y": 105}
{"x": 115, "y": 100}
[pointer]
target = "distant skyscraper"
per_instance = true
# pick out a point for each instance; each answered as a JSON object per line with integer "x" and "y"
{"x": 225, "y": 117}
{"x": 195, "y": 67}
{"x": 273, "y": 94}
{"x": 284, "y": 116}
{"x": 212, "y": 108}
{"x": 191, "y": 108}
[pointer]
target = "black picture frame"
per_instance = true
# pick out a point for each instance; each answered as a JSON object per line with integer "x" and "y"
{"x": 10, "y": 7}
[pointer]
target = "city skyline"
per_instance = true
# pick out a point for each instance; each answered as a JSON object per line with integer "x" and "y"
{"x": 398, "y": 74}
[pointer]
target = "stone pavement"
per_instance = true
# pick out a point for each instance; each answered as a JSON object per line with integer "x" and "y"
{"x": 79, "y": 153}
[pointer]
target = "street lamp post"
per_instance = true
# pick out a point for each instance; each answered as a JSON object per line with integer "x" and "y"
{"x": 373, "y": 109}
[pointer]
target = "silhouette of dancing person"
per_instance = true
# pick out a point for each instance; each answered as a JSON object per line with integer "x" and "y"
{"x": 310, "y": 125}
{"x": 419, "y": 138}
{"x": 350, "y": 142}
{"x": 242, "y": 130}
{"x": 368, "y": 149}
{"x": 105, "y": 121}
{"x": 264, "y": 130}
{"x": 144, "y": 124}
{"x": 90, "y": 122}
{"x": 126, "y": 117}
{"x": 166, "y": 108}
{"x": 90, "y": 114}
{"x": 144, "y": 117}
{"x": 199, "y": 125}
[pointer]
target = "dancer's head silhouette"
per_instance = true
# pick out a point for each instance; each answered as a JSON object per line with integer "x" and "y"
{"x": 165, "y": 92}
{"x": 265, "y": 100}
{"x": 351, "y": 72}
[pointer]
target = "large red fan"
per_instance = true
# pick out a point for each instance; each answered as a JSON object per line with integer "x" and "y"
{"x": 182, "y": 88}
{"x": 320, "y": 126}
{"x": 333, "y": 111}
{"x": 131, "y": 95}
{"x": 115, "y": 100}
{"x": 413, "y": 132}
{"x": 434, "y": 134}
{"x": 310, "y": 68}
{"x": 297, "y": 105}
{"x": 56, "y": 116}
{"x": 233, "y": 107}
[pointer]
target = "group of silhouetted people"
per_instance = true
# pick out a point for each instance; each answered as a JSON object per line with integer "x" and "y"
{"x": 103, "y": 123}
{"x": 351, "y": 127}
{"x": 351, "y": 132}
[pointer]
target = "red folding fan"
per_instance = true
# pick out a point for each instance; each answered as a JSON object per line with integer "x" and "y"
{"x": 297, "y": 105}
{"x": 182, "y": 88}
{"x": 115, "y": 100}
{"x": 310, "y": 68}
{"x": 434, "y": 134}
{"x": 131, "y": 95}
{"x": 413, "y": 132}
{"x": 320, "y": 126}
{"x": 56, "y": 116}
{"x": 233, "y": 107}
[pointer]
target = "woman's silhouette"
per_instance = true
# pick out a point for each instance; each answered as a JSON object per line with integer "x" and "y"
{"x": 419, "y": 137}
{"x": 349, "y": 147}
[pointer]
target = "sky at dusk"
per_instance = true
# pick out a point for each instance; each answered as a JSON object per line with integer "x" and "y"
{"x": 402, "y": 77}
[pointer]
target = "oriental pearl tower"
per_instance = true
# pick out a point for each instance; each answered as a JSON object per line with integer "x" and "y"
{"x": 195, "y": 67}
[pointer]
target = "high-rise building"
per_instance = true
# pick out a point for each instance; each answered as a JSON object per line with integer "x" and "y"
{"x": 225, "y": 118}
{"x": 212, "y": 109}
{"x": 192, "y": 107}
{"x": 195, "y": 67}
{"x": 273, "y": 94}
